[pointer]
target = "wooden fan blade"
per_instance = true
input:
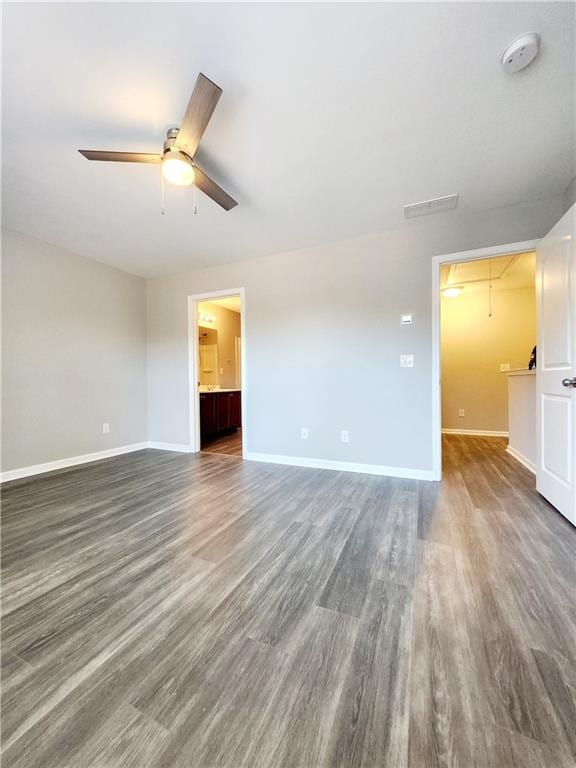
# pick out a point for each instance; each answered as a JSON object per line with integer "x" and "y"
{"x": 212, "y": 189}
{"x": 120, "y": 157}
{"x": 198, "y": 113}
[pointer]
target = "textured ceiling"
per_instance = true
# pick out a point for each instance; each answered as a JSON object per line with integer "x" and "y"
{"x": 333, "y": 117}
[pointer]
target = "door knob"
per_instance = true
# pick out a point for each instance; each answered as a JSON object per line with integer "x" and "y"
{"x": 569, "y": 382}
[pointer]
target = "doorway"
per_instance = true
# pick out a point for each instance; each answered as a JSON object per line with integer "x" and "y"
{"x": 475, "y": 279}
{"x": 555, "y": 380}
{"x": 217, "y": 376}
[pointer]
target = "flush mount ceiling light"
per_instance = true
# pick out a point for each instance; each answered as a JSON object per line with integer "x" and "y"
{"x": 177, "y": 158}
{"x": 521, "y": 52}
{"x": 453, "y": 292}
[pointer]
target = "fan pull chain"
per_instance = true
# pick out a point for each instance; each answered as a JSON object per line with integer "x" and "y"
{"x": 163, "y": 197}
{"x": 194, "y": 193}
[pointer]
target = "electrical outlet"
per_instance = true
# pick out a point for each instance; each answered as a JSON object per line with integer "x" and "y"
{"x": 304, "y": 433}
{"x": 504, "y": 366}
{"x": 461, "y": 413}
{"x": 406, "y": 361}
{"x": 344, "y": 436}
{"x": 105, "y": 428}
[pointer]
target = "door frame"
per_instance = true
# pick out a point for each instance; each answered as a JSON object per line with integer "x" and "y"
{"x": 193, "y": 362}
{"x": 437, "y": 261}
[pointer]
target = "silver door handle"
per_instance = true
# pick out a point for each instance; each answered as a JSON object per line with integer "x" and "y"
{"x": 569, "y": 382}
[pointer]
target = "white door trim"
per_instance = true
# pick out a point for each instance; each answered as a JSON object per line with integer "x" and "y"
{"x": 194, "y": 399}
{"x": 437, "y": 261}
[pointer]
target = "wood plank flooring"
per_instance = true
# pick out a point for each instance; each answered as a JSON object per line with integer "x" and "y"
{"x": 227, "y": 445}
{"x": 164, "y": 610}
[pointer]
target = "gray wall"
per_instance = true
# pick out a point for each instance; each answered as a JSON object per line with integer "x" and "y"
{"x": 322, "y": 345}
{"x": 74, "y": 354}
{"x": 323, "y": 339}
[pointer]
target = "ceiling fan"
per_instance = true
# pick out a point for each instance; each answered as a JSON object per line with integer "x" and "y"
{"x": 177, "y": 158}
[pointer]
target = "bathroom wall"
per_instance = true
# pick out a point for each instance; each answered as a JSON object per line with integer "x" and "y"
{"x": 227, "y": 325}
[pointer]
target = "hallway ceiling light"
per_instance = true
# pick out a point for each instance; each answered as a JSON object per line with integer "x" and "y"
{"x": 451, "y": 293}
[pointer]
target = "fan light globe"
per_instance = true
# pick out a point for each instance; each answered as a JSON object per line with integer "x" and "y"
{"x": 177, "y": 169}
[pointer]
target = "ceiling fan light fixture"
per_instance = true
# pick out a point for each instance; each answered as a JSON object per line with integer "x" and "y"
{"x": 177, "y": 168}
{"x": 180, "y": 148}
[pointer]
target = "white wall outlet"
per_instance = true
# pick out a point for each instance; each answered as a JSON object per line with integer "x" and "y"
{"x": 406, "y": 361}
{"x": 461, "y": 413}
{"x": 406, "y": 319}
{"x": 304, "y": 433}
{"x": 504, "y": 366}
{"x": 105, "y": 428}
{"x": 344, "y": 436}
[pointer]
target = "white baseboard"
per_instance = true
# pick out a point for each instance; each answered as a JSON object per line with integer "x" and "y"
{"x": 178, "y": 447}
{"x": 522, "y": 459}
{"x": 342, "y": 466}
{"x": 477, "y": 432}
{"x": 295, "y": 461}
{"x": 50, "y": 466}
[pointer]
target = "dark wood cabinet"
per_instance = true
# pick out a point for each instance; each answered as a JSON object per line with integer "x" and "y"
{"x": 235, "y": 410}
{"x": 222, "y": 411}
{"x": 207, "y": 414}
{"x": 219, "y": 412}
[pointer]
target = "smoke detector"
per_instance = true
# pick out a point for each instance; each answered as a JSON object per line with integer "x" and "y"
{"x": 521, "y": 52}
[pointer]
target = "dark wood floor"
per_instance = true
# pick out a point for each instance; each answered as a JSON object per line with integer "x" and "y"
{"x": 188, "y": 611}
{"x": 227, "y": 445}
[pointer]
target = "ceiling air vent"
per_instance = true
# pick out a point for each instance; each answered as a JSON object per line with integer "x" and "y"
{"x": 437, "y": 205}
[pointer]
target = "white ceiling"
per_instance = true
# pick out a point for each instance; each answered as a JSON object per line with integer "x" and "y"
{"x": 333, "y": 117}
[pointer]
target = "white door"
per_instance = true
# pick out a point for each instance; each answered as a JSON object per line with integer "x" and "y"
{"x": 556, "y": 371}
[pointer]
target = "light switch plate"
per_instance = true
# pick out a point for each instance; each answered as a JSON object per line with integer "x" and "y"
{"x": 504, "y": 366}
{"x": 406, "y": 361}
{"x": 406, "y": 319}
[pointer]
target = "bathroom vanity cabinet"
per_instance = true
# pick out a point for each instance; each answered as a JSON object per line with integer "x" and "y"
{"x": 220, "y": 412}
